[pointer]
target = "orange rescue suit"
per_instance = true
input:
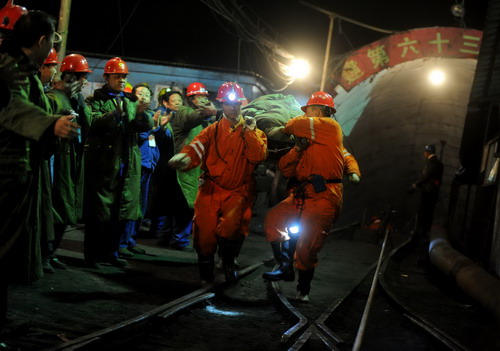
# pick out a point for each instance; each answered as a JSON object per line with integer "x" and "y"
{"x": 228, "y": 156}
{"x": 314, "y": 212}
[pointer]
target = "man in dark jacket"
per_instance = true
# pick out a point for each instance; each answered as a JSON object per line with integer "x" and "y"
{"x": 429, "y": 184}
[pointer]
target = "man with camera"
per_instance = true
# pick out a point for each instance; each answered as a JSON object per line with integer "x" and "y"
{"x": 67, "y": 166}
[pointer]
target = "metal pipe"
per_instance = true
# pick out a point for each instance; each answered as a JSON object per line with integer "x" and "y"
{"x": 472, "y": 279}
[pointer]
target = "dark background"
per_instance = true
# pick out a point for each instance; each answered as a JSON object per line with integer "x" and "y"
{"x": 188, "y": 32}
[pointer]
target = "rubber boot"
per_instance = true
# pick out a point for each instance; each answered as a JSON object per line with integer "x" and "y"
{"x": 228, "y": 249}
{"x": 276, "y": 247}
{"x": 284, "y": 256}
{"x": 304, "y": 284}
{"x": 206, "y": 268}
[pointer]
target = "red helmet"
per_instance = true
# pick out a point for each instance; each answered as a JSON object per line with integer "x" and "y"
{"x": 230, "y": 92}
{"x": 51, "y": 58}
{"x": 9, "y": 15}
{"x": 116, "y": 65}
{"x": 196, "y": 89}
{"x": 128, "y": 88}
{"x": 75, "y": 63}
{"x": 320, "y": 98}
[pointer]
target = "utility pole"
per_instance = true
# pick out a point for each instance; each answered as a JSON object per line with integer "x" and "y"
{"x": 327, "y": 53}
{"x": 62, "y": 27}
{"x": 332, "y": 16}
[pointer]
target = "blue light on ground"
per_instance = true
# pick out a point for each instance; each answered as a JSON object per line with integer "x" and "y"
{"x": 215, "y": 310}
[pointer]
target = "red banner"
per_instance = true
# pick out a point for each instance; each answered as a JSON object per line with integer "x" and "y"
{"x": 408, "y": 46}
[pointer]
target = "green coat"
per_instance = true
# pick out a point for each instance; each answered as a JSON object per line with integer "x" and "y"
{"x": 26, "y": 134}
{"x": 67, "y": 185}
{"x": 186, "y": 125}
{"x": 112, "y": 159}
{"x": 26, "y": 129}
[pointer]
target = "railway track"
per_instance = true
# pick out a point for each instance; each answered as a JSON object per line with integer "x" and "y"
{"x": 330, "y": 327}
{"x": 212, "y": 319}
{"x": 105, "y": 336}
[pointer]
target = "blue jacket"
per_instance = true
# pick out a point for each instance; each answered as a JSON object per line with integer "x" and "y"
{"x": 150, "y": 154}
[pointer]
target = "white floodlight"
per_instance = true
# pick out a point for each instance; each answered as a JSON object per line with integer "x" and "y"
{"x": 437, "y": 77}
{"x": 298, "y": 68}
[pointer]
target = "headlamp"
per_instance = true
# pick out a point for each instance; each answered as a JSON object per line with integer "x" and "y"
{"x": 231, "y": 96}
{"x": 294, "y": 229}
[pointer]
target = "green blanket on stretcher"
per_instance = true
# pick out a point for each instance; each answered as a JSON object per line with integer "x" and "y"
{"x": 272, "y": 112}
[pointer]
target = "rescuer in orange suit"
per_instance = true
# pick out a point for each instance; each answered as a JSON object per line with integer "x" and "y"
{"x": 299, "y": 225}
{"x": 228, "y": 152}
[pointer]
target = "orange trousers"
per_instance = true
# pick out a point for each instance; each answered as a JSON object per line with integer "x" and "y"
{"x": 219, "y": 213}
{"x": 318, "y": 215}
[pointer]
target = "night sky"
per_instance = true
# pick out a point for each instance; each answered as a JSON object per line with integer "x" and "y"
{"x": 189, "y": 32}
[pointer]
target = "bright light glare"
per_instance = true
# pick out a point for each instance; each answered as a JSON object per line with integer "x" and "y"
{"x": 298, "y": 68}
{"x": 294, "y": 229}
{"x": 231, "y": 96}
{"x": 437, "y": 77}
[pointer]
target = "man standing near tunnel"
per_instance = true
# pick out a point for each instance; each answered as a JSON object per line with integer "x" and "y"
{"x": 228, "y": 152}
{"x": 298, "y": 226}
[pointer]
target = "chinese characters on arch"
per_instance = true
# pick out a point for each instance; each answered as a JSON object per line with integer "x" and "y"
{"x": 408, "y": 46}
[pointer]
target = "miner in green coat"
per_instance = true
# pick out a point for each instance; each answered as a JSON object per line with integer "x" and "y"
{"x": 112, "y": 165}
{"x": 189, "y": 121}
{"x": 67, "y": 175}
{"x": 27, "y": 130}
{"x": 174, "y": 217}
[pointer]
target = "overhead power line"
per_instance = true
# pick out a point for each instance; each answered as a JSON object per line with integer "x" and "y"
{"x": 255, "y": 31}
{"x": 239, "y": 24}
{"x": 350, "y": 20}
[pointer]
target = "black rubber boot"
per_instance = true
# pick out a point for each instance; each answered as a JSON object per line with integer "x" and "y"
{"x": 284, "y": 255}
{"x": 228, "y": 250}
{"x": 276, "y": 247}
{"x": 206, "y": 267}
{"x": 304, "y": 281}
{"x": 284, "y": 272}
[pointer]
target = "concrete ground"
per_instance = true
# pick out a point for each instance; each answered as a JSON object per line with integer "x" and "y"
{"x": 79, "y": 300}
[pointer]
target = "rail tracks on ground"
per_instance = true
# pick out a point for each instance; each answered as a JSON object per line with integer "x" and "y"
{"x": 342, "y": 324}
{"x": 353, "y": 335}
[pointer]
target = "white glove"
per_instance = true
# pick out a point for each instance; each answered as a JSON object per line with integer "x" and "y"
{"x": 354, "y": 178}
{"x": 180, "y": 161}
{"x": 250, "y": 123}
